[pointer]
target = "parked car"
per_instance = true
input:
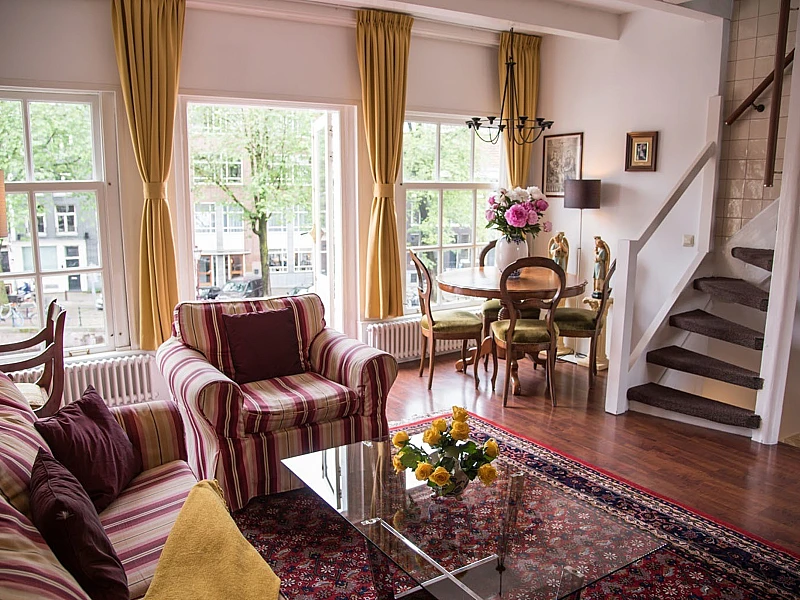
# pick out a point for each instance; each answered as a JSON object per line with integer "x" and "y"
{"x": 208, "y": 293}
{"x": 246, "y": 286}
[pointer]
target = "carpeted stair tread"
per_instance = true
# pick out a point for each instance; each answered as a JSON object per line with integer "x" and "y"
{"x": 759, "y": 257}
{"x": 699, "y": 321}
{"x": 681, "y": 359}
{"x": 667, "y": 398}
{"x": 729, "y": 289}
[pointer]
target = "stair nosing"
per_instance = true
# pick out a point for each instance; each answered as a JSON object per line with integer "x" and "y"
{"x": 655, "y": 387}
{"x": 740, "y": 376}
{"x": 757, "y": 336}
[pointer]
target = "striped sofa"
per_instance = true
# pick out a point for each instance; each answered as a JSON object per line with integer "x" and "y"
{"x": 238, "y": 434}
{"x": 137, "y": 522}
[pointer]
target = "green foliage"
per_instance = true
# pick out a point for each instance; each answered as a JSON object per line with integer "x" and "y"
{"x": 61, "y": 139}
{"x": 275, "y": 148}
{"x": 12, "y": 151}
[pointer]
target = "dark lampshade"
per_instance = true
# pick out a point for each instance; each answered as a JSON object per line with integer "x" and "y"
{"x": 582, "y": 193}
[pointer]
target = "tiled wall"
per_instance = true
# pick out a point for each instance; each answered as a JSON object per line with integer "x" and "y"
{"x": 742, "y": 194}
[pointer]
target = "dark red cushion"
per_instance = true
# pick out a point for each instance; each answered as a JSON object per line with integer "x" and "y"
{"x": 87, "y": 440}
{"x": 67, "y": 520}
{"x": 263, "y": 345}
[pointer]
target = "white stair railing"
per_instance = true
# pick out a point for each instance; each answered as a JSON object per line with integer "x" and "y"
{"x": 623, "y": 356}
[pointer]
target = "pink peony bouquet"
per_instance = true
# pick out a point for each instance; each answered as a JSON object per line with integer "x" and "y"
{"x": 517, "y": 212}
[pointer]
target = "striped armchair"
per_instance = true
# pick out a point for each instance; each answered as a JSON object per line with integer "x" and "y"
{"x": 238, "y": 434}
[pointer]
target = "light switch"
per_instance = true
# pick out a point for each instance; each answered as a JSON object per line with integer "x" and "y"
{"x": 688, "y": 240}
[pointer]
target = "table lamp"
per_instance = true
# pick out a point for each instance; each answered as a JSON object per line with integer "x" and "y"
{"x": 581, "y": 194}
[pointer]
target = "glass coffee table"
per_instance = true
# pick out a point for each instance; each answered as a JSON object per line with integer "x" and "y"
{"x": 519, "y": 538}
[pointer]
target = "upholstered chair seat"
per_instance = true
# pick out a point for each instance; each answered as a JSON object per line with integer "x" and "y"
{"x": 491, "y": 308}
{"x": 454, "y": 321}
{"x": 527, "y": 331}
{"x": 576, "y": 318}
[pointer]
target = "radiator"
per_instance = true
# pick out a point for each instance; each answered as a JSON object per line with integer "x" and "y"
{"x": 401, "y": 338}
{"x": 119, "y": 380}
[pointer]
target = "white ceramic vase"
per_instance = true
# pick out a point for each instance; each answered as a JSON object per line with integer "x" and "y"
{"x": 507, "y": 251}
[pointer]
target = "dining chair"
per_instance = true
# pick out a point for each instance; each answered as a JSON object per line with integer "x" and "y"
{"x": 586, "y": 323}
{"x": 491, "y": 308}
{"x": 44, "y": 396}
{"x": 528, "y": 336}
{"x": 446, "y": 325}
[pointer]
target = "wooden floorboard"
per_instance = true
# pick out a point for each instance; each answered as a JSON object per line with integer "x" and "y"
{"x": 727, "y": 477}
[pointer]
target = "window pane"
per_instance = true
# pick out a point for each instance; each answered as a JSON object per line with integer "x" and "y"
{"x": 19, "y": 311}
{"x": 430, "y": 260}
{"x": 422, "y": 217}
{"x": 487, "y": 162}
{"x": 205, "y": 217}
{"x": 13, "y": 254}
{"x": 458, "y": 214}
{"x": 419, "y": 151}
{"x": 75, "y": 225}
{"x": 61, "y": 139}
{"x": 455, "y": 150}
{"x": 81, "y": 295}
{"x": 12, "y": 147}
{"x": 455, "y": 259}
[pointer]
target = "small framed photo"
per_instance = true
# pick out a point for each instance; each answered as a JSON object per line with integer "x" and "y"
{"x": 641, "y": 151}
{"x": 562, "y": 160}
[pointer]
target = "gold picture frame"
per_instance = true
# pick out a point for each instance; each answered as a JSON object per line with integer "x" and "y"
{"x": 641, "y": 151}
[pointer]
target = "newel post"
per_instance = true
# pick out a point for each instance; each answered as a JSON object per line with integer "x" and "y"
{"x": 621, "y": 328}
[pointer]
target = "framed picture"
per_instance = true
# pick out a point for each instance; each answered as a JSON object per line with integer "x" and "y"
{"x": 562, "y": 159}
{"x": 640, "y": 151}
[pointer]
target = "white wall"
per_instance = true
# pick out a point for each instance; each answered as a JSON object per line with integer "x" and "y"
{"x": 657, "y": 77}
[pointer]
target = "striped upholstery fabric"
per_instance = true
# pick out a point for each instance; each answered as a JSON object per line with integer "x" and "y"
{"x": 357, "y": 366}
{"x": 28, "y": 568}
{"x": 295, "y": 400}
{"x": 235, "y": 433}
{"x": 19, "y": 443}
{"x": 140, "y": 518}
{"x": 155, "y": 429}
{"x": 251, "y": 466}
{"x": 199, "y": 325}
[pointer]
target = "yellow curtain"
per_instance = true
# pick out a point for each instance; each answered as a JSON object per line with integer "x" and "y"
{"x": 148, "y": 35}
{"x": 383, "y": 40}
{"x": 526, "y": 55}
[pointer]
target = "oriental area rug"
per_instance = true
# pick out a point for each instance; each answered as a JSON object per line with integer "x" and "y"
{"x": 319, "y": 556}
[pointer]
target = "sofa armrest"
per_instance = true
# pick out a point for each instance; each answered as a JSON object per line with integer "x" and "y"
{"x": 351, "y": 363}
{"x": 155, "y": 429}
{"x": 201, "y": 388}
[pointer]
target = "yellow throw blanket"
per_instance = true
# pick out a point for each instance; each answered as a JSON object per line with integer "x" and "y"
{"x": 207, "y": 558}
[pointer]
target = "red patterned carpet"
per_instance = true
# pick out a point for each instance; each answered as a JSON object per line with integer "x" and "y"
{"x": 318, "y": 556}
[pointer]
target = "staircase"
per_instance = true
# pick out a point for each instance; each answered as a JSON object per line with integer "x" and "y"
{"x": 724, "y": 289}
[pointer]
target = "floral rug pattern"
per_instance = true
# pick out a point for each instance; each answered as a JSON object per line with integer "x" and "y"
{"x": 319, "y": 556}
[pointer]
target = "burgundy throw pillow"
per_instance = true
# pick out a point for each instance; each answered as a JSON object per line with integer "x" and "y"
{"x": 87, "y": 440}
{"x": 263, "y": 344}
{"x": 64, "y": 515}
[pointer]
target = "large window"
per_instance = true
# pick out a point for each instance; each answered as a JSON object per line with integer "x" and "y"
{"x": 447, "y": 175}
{"x": 51, "y": 151}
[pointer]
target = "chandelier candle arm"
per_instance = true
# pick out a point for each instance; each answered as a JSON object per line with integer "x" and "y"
{"x": 521, "y": 129}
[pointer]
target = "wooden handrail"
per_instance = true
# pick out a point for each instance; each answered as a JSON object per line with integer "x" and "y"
{"x": 777, "y": 91}
{"x": 750, "y": 100}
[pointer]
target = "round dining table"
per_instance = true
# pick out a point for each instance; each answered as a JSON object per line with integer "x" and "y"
{"x": 484, "y": 282}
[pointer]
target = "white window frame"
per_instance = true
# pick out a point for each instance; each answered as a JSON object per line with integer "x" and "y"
{"x": 440, "y": 186}
{"x": 222, "y": 164}
{"x": 231, "y": 212}
{"x": 62, "y": 218}
{"x": 212, "y": 227}
{"x": 104, "y": 185}
{"x": 284, "y": 254}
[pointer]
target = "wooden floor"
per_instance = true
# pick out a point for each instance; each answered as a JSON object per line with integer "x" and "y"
{"x": 742, "y": 483}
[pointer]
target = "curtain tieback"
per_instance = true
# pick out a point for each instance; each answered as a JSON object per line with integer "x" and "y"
{"x": 383, "y": 190}
{"x": 157, "y": 189}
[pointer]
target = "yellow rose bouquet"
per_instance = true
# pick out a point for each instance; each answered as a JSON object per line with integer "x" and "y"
{"x": 454, "y": 460}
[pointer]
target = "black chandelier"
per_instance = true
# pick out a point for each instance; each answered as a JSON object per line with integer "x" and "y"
{"x": 521, "y": 129}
